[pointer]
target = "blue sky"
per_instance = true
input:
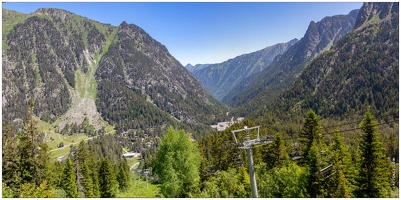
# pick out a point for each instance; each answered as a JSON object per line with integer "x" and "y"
{"x": 206, "y": 32}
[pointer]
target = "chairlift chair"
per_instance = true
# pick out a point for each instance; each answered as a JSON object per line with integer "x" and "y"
{"x": 327, "y": 171}
{"x": 295, "y": 156}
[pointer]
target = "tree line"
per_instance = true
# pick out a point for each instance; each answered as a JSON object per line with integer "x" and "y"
{"x": 211, "y": 167}
{"x": 217, "y": 168}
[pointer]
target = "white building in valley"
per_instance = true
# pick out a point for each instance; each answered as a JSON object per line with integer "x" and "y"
{"x": 131, "y": 155}
{"x": 221, "y": 126}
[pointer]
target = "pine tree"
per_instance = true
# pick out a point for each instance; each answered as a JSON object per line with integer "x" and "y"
{"x": 309, "y": 134}
{"x": 96, "y": 186}
{"x": 68, "y": 181}
{"x": 342, "y": 183}
{"x": 314, "y": 179}
{"x": 94, "y": 168}
{"x": 32, "y": 152}
{"x": 275, "y": 154}
{"x": 56, "y": 172}
{"x": 10, "y": 177}
{"x": 123, "y": 175}
{"x": 107, "y": 181}
{"x": 86, "y": 181}
{"x": 373, "y": 180}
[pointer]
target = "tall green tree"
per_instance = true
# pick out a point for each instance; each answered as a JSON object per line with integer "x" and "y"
{"x": 275, "y": 154}
{"x": 86, "y": 180}
{"x": 232, "y": 183}
{"x": 10, "y": 177}
{"x": 309, "y": 133}
{"x": 342, "y": 183}
{"x": 373, "y": 180}
{"x": 107, "y": 179}
{"x": 33, "y": 154}
{"x": 314, "y": 187}
{"x": 177, "y": 164}
{"x": 68, "y": 181}
{"x": 56, "y": 172}
{"x": 123, "y": 175}
{"x": 25, "y": 156}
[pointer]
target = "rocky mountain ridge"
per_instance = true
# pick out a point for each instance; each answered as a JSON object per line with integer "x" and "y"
{"x": 220, "y": 78}
{"x": 360, "y": 71}
{"x": 59, "y": 61}
{"x": 282, "y": 72}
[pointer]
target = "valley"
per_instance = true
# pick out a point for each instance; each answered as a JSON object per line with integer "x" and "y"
{"x": 77, "y": 94}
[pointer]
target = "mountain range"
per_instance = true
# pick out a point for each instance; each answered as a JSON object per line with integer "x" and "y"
{"x": 360, "y": 71}
{"x": 74, "y": 68}
{"x": 220, "y": 78}
{"x": 319, "y": 37}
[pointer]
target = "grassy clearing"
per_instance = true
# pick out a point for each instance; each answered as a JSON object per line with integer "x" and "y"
{"x": 53, "y": 139}
{"x": 138, "y": 189}
{"x": 60, "y": 152}
{"x": 44, "y": 126}
{"x": 67, "y": 140}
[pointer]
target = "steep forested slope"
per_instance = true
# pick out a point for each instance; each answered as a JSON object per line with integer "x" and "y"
{"x": 69, "y": 66}
{"x": 360, "y": 70}
{"x": 285, "y": 68}
{"x": 145, "y": 68}
{"x": 41, "y": 58}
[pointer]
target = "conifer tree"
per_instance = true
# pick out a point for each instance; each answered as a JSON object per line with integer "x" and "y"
{"x": 10, "y": 177}
{"x": 95, "y": 181}
{"x": 373, "y": 180}
{"x": 275, "y": 154}
{"x": 342, "y": 183}
{"x": 314, "y": 180}
{"x": 56, "y": 172}
{"x": 123, "y": 175}
{"x": 86, "y": 181}
{"x": 94, "y": 166}
{"x": 107, "y": 181}
{"x": 32, "y": 152}
{"x": 309, "y": 134}
{"x": 68, "y": 181}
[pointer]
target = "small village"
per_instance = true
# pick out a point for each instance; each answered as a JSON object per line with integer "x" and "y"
{"x": 221, "y": 126}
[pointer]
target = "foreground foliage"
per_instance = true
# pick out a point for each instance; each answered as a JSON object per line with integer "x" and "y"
{"x": 177, "y": 164}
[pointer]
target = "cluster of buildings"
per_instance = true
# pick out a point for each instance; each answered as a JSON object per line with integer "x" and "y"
{"x": 221, "y": 126}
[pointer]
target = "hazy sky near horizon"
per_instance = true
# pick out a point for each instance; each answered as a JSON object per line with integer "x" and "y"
{"x": 206, "y": 32}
